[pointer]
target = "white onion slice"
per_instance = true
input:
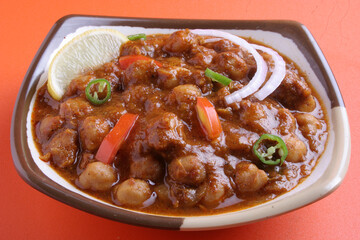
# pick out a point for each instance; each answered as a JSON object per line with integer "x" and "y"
{"x": 277, "y": 75}
{"x": 211, "y": 40}
{"x": 261, "y": 67}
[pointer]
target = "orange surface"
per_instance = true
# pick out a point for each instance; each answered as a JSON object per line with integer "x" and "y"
{"x": 28, "y": 214}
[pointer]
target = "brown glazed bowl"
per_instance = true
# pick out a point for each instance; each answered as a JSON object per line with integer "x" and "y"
{"x": 288, "y": 37}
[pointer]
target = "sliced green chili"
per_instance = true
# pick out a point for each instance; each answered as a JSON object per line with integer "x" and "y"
{"x": 137, "y": 36}
{"x": 95, "y": 88}
{"x": 270, "y": 149}
{"x": 217, "y": 77}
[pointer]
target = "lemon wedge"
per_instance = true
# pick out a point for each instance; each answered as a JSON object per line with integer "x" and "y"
{"x": 83, "y": 52}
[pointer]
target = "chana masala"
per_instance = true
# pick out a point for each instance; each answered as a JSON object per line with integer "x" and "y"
{"x": 190, "y": 123}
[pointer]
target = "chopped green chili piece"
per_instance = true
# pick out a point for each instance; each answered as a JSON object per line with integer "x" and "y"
{"x": 137, "y": 36}
{"x": 270, "y": 149}
{"x": 217, "y": 77}
{"x": 95, "y": 89}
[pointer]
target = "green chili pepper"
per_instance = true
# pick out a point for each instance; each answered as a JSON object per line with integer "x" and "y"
{"x": 270, "y": 149}
{"x": 137, "y": 36}
{"x": 93, "y": 94}
{"x": 217, "y": 77}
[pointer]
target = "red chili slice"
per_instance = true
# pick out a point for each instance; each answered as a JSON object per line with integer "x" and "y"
{"x": 126, "y": 61}
{"x": 208, "y": 118}
{"x": 113, "y": 140}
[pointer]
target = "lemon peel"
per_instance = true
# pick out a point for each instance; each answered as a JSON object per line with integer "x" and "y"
{"x": 83, "y": 52}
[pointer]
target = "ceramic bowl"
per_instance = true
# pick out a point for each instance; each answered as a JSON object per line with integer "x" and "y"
{"x": 290, "y": 38}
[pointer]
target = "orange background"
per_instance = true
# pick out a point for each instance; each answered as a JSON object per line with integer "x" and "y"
{"x": 28, "y": 214}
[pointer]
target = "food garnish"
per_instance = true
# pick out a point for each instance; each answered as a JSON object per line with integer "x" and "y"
{"x": 261, "y": 71}
{"x": 277, "y": 75}
{"x": 85, "y": 51}
{"x": 259, "y": 78}
{"x": 270, "y": 149}
{"x": 113, "y": 140}
{"x": 126, "y": 61}
{"x": 137, "y": 37}
{"x": 208, "y": 118}
{"x": 217, "y": 77}
{"x": 94, "y": 91}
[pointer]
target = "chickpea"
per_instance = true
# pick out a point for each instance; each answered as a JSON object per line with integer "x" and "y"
{"x": 215, "y": 192}
{"x": 188, "y": 170}
{"x": 75, "y": 108}
{"x": 307, "y": 105}
{"x": 249, "y": 178}
{"x": 179, "y": 42}
{"x": 97, "y": 176}
{"x": 63, "y": 148}
{"x": 162, "y": 193}
{"x": 186, "y": 93}
{"x": 146, "y": 168}
{"x": 296, "y": 149}
{"x": 92, "y": 132}
{"x": 231, "y": 64}
{"x": 48, "y": 126}
{"x": 171, "y": 76}
{"x": 308, "y": 124}
{"x": 132, "y": 192}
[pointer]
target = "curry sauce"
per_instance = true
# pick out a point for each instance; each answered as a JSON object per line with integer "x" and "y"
{"x": 167, "y": 163}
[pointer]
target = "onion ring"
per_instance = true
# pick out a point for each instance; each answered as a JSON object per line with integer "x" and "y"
{"x": 261, "y": 66}
{"x": 277, "y": 76}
